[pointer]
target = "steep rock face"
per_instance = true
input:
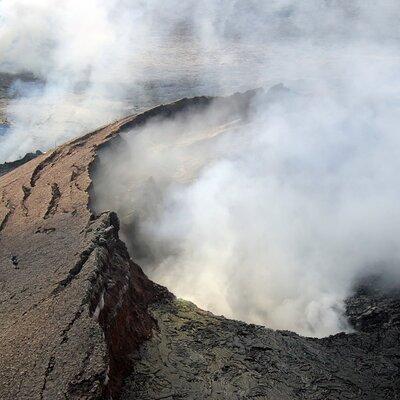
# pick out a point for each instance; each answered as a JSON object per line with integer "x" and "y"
{"x": 80, "y": 320}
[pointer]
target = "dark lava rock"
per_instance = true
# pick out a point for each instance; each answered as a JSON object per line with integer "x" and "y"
{"x": 374, "y": 307}
{"x": 9, "y": 166}
{"x": 196, "y": 355}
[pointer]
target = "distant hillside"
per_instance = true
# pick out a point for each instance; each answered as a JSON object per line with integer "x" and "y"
{"x": 9, "y": 166}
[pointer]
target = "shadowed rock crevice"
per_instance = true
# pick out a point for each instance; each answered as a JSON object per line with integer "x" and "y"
{"x": 77, "y": 315}
{"x": 74, "y": 272}
{"x": 76, "y": 172}
{"x": 10, "y": 209}
{"x": 49, "y": 369}
{"x": 26, "y": 193}
{"x": 55, "y": 198}
{"x": 4, "y": 220}
{"x": 43, "y": 164}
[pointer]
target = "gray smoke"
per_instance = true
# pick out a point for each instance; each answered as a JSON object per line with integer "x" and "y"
{"x": 269, "y": 220}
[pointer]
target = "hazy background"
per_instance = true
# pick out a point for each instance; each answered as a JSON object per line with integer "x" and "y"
{"x": 99, "y": 60}
{"x": 279, "y": 216}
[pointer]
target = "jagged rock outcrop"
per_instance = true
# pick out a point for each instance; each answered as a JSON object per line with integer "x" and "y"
{"x": 80, "y": 320}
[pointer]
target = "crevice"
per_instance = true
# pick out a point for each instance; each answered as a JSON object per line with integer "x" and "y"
{"x": 74, "y": 272}
{"x": 85, "y": 362}
{"x": 75, "y": 145}
{"x": 76, "y": 172}
{"x": 26, "y": 193}
{"x": 77, "y": 315}
{"x": 49, "y": 369}
{"x": 42, "y": 165}
{"x": 5, "y": 219}
{"x": 55, "y": 198}
{"x": 45, "y": 230}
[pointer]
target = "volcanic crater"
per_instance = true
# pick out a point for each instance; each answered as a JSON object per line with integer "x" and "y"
{"x": 79, "y": 319}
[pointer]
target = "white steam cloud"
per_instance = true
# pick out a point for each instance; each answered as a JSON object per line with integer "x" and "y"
{"x": 269, "y": 220}
{"x": 98, "y": 60}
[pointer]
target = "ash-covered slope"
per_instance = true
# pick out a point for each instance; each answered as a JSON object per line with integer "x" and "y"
{"x": 80, "y": 320}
